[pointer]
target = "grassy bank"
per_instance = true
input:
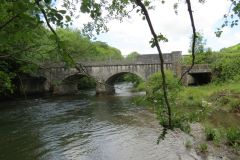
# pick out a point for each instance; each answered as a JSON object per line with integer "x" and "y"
{"x": 216, "y": 106}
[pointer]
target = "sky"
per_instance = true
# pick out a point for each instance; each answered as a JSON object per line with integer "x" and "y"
{"x": 134, "y": 35}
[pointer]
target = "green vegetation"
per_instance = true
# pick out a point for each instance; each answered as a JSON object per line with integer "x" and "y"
{"x": 155, "y": 97}
{"x": 132, "y": 56}
{"x": 188, "y": 144}
{"x": 216, "y": 105}
{"x": 199, "y": 44}
{"x": 86, "y": 83}
{"x": 225, "y": 64}
{"x": 233, "y": 137}
{"x": 203, "y": 148}
{"x": 232, "y": 49}
{"x": 212, "y": 134}
{"x": 133, "y": 79}
{"x": 27, "y": 45}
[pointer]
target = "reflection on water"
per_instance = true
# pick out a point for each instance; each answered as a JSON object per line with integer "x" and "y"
{"x": 83, "y": 127}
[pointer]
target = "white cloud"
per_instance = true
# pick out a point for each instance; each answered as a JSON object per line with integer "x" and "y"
{"x": 134, "y": 35}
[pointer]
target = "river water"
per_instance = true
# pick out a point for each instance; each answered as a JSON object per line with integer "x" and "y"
{"x": 85, "y": 127}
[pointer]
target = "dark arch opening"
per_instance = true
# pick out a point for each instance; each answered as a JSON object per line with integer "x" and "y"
{"x": 200, "y": 78}
{"x": 81, "y": 81}
{"x": 29, "y": 85}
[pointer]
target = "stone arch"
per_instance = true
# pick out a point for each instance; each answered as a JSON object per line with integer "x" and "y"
{"x": 107, "y": 87}
{"x": 110, "y": 79}
{"x": 69, "y": 85}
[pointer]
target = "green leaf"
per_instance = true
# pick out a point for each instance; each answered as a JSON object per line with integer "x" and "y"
{"x": 59, "y": 16}
{"x": 68, "y": 18}
{"x": 62, "y": 11}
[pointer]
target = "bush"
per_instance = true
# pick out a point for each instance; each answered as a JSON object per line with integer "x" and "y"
{"x": 212, "y": 134}
{"x": 6, "y": 85}
{"x": 226, "y": 67}
{"x": 203, "y": 148}
{"x": 154, "y": 87}
{"x": 233, "y": 136}
{"x": 141, "y": 86}
{"x": 155, "y": 97}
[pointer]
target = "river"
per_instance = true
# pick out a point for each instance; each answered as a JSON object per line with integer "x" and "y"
{"x": 85, "y": 127}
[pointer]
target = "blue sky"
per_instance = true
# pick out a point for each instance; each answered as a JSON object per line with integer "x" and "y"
{"x": 134, "y": 35}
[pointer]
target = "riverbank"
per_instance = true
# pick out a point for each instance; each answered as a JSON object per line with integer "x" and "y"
{"x": 213, "y": 112}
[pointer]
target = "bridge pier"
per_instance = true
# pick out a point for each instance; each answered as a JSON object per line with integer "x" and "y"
{"x": 104, "y": 89}
{"x": 64, "y": 89}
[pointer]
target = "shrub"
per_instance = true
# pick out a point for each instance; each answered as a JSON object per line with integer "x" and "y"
{"x": 154, "y": 87}
{"x": 141, "y": 86}
{"x": 233, "y": 136}
{"x": 226, "y": 67}
{"x": 212, "y": 134}
{"x": 203, "y": 148}
{"x": 6, "y": 85}
{"x": 155, "y": 96}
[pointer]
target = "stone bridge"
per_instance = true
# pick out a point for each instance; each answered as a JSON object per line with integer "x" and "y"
{"x": 62, "y": 80}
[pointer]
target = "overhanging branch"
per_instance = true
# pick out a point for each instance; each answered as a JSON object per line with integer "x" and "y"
{"x": 164, "y": 85}
{"x": 194, "y": 39}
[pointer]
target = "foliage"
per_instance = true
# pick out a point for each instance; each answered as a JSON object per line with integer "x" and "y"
{"x": 86, "y": 83}
{"x": 231, "y": 49}
{"x": 81, "y": 48}
{"x": 155, "y": 96}
{"x": 233, "y": 137}
{"x": 153, "y": 87}
{"x": 141, "y": 86}
{"x": 231, "y": 18}
{"x": 200, "y": 44}
{"x": 106, "y": 52}
{"x": 226, "y": 67}
{"x": 224, "y": 64}
{"x": 212, "y": 134}
{"x": 5, "y": 83}
{"x": 26, "y": 44}
{"x": 160, "y": 38}
{"x": 132, "y": 56}
{"x": 133, "y": 79}
{"x": 203, "y": 148}
{"x": 203, "y": 58}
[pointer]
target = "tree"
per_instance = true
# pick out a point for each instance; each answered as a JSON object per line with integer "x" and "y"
{"x": 132, "y": 56}
{"x": 200, "y": 44}
{"x": 231, "y": 19}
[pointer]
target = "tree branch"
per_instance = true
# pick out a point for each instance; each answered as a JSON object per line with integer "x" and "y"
{"x": 194, "y": 39}
{"x": 164, "y": 86}
{"x": 9, "y": 21}
{"x": 47, "y": 21}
